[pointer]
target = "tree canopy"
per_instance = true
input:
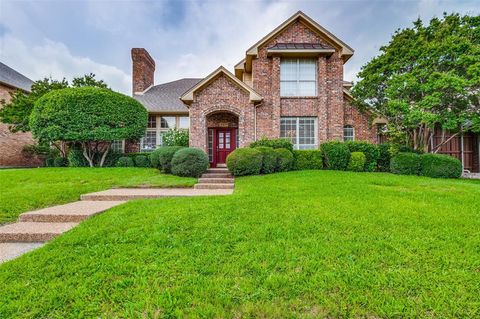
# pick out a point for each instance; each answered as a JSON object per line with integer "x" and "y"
{"x": 427, "y": 76}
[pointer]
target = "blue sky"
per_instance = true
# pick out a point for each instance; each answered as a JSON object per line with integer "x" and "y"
{"x": 186, "y": 38}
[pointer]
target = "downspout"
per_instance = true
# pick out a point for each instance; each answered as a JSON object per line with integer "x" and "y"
{"x": 255, "y": 122}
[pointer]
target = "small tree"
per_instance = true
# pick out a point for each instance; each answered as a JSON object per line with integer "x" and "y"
{"x": 91, "y": 117}
{"x": 175, "y": 137}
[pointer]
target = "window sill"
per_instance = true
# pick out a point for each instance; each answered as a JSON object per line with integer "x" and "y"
{"x": 298, "y": 97}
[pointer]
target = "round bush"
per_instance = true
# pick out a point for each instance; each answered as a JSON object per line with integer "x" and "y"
{"x": 141, "y": 161}
{"x": 162, "y": 157}
{"x": 370, "y": 151}
{"x": 357, "y": 162}
{"x": 125, "y": 161}
{"x": 60, "y": 162}
{"x": 440, "y": 166}
{"x": 269, "y": 159}
{"x": 307, "y": 159}
{"x": 273, "y": 143}
{"x": 405, "y": 164}
{"x": 284, "y": 159}
{"x": 384, "y": 157}
{"x": 192, "y": 162}
{"x": 336, "y": 155}
{"x": 245, "y": 161}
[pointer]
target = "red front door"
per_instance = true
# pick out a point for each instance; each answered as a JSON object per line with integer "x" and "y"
{"x": 225, "y": 144}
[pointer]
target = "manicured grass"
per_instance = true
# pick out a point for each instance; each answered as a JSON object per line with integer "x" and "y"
{"x": 299, "y": 244}
{"x": 27, "y": 189}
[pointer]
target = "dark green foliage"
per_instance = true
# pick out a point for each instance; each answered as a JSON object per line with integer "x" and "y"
{"x": 125, "y": 161}
{"x": 142, "y": 161}
{"x": 111, "y": 159}
{"x": 370, "y": 151}
{"x": 336, "y": 155}
{"x": 383, "y": 162}
{"x": 405, "y": 164}
{"x": 76, "y": 159}
{"x": 42, "y": 150}
{"x": 162, "y": 157}
{"x": 307, "y": 159}
{"x": 357, "y": 162}
{"x": 273, "y": 143}
{"x": 245, "y": 161}
{"x": 175, "y": 137}
{"x": 60, "y": 162}
{"x": 269, "y": 159}
{"x": 50, "y": 162}
{"x": 189, "y": 162}
{"x": 440, "y": 166}
{"x": 285, "y": 159}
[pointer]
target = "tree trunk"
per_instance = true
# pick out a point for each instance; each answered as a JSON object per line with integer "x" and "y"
{"x": 104, "y": 155}
{"x": 87, "y": 153}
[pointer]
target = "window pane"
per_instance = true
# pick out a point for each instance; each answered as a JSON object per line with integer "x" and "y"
{"x": 288, "y": 88}
{"x": 306, "y": 88}
{"x": 307, "y": 70}
{"x": 300, "y": 130}
{"x": 210, "y": 145}
{"x": 117, "y": 146}
{"x": 288, "y": 70}
{"x": 184, "y": 122}
{"x": 348, "y": 133}
{"x": 152, "y": 121}
{"x": 298, "y": 77}
{"x": 288, "y": 128}
{"x": 149, "y": 141}
{"x": 167, "y": 122}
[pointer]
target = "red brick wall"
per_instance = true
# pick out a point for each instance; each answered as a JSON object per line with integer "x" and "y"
{"x": 360, "y": 123}
{"x": 222, "y": 120}
{"x": 11, "y": 144}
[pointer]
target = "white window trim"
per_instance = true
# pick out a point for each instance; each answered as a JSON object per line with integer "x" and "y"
{"x": 123, "y": 146}
{"x": 297, "y": 130}
{"x": 159, "y": 130}
{"x": 298, "y": 81}
{"x": 353, "y": 132}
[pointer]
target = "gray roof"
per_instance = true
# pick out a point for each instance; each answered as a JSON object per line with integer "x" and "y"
{"x": 166, "y": 97}
{"x": 299, "y": 46}
{"x": 14, "y": 79}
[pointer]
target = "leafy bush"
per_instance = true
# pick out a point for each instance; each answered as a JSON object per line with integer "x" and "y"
{"x": 41, "y": 150}
{"x": 60, "y": 162}
{"x": 111, "y": 159}
{"x": 175, "y": 137}
{"x": 370, "y": 151}
{"x": 142, "y": 161}
{"x": 307, "y": 159}
{"x": 384, "y": 157}
{"x": 357, "y": 162}
{"x": 440, "y": 166}
{"x": 76, "y": 159}
{"x": 269, "y": 159}
{"x": 284, "y": 159}
{"x": 162, "y": 157}
{"x": 245, "y": 161}
{"x": 192, "y": 162}
{"x": 50, "y": 162}
{"x": 336, "y": 155}
{"x": 273, "y": 143}
{"x": 125, "y": 161}
{"x": 405, "y": 164}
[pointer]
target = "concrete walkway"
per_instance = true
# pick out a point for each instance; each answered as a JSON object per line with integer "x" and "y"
{"x": 36, "y": 227}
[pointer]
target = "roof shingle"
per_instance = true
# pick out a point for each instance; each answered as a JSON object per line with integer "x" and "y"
{"x": 14, "y": 79}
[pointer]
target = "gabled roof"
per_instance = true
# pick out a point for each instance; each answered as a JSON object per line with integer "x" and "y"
{"x": 188, "y": 96}
{"x": 165, "y": 97}
{"x": 14, "y": 79}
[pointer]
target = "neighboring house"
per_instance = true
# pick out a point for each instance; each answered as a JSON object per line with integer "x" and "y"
{"x": 12, "y": 144}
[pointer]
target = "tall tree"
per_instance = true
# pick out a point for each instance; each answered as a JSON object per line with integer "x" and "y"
{"x": 427, "y": 76}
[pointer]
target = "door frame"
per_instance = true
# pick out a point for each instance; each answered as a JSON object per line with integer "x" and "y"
{"x": 233, "y": 141}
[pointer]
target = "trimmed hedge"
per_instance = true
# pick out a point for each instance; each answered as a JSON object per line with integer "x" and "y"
{"x": 357, "y": 162}
{"x": 245, "y": 161}
{"x": 190, "y": 162}
{"x": 440, "y": 166}
{"x": 370, "y": 151}
{"x": 142, "y": 161}
{"x": 336, "y": 155}
{"x": 405, "y": 164}
{"x": 384, "y": 157}
{"x": 269, "y": 159}
{"x": 162, "y": 157}
{"x": 273, "y": 143}
{"x": 285, "y": 159}
{"x": 125, "y": 161}
{"x": 307, "y": 159}
{"x": 60, "y": 162}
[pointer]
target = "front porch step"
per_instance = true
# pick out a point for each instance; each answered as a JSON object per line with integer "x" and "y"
{"x": 217, "y": 175}
{"x": 218, "y": 170}
{"x": 31, "y": 232}
{"x": 216, "y": 180}
{"x": 68, "y": 213}
{"x": 214, "y": 186}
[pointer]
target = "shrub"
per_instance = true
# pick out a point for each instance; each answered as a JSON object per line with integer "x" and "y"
{"x": 357, "y": 162}
{"x": 370, "y": 151}
{"x": 405, "y": 164}
{"x": 192, "y": 162}
{"x": 336, "y": 155}
{"x": 111, "y": 159}
{"x": 162, "y": 157}
{"x": 273, "y": 143}
{"x": 307, "y": 159}
{"x": 76, "y": 159}
{"x": 60, "y": 162}
{"x": 284, "y": 159}
{"x": 384, "y": 157}
{"x": 440, "y": 166}
{"x": 125, "y": 161}
{"x": 245, "y": 161}
{"x": 175, "y": 137}
{"x": 141, "y": 161}
{"x": 269, "y": 159}
{"x": 50, "y": 162}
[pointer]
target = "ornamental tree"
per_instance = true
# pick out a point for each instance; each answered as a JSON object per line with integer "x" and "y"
{"x": 88, "y": 116}
{"x": 427, "y": 76}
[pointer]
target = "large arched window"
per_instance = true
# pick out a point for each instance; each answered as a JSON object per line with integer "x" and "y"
{"x": 348, "y": 133}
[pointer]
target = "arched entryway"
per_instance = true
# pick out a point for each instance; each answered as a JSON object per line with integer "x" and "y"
{"x": 222, "y": 136}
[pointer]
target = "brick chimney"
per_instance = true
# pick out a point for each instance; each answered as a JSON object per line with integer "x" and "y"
{"x": 143, "y": 69}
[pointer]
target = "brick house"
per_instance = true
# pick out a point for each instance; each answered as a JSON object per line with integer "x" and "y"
{"x": 290, "y": 84}
{"x": 12, "y": 144}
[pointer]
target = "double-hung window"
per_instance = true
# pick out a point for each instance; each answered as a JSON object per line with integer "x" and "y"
{"x": 348, "y": 133}
{"x": 302, "y": 131}
{"x": 298, "y": 77}
{"x": 158, "y": 126}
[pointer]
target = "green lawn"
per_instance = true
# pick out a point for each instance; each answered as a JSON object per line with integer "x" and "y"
{"x": 300, "y": 244}
{"x": 27, "y": 189}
